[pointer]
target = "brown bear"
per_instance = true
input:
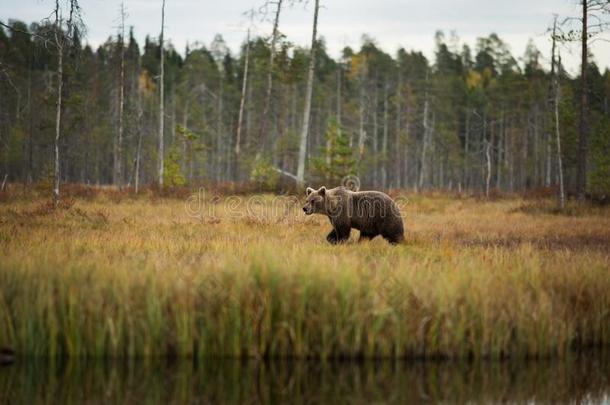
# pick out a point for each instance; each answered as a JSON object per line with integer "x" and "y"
{"x": 371, "y": 212}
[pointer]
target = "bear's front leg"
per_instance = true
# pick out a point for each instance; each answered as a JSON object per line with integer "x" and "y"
{"x": 366, "y": 236}
{"x": 332, "y": 237}
{"x": 339, "y": 235}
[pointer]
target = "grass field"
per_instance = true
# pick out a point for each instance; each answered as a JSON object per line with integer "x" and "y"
{"x": 253, "y": 276}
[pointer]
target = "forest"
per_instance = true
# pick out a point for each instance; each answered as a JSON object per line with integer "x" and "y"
{"x": 153, "y": 207}
{"x": 479, "y": 119}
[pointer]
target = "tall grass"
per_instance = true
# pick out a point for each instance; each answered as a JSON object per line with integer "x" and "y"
{"x": 143, "y": 278}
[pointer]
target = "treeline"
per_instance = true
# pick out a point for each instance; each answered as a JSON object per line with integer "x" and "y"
{"x": 471, "y": 119}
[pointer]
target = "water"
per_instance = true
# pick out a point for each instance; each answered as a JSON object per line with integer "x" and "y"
{"x": 581, "y": 380}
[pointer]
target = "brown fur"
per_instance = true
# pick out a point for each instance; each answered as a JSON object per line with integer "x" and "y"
{"x": 373, "y": 213}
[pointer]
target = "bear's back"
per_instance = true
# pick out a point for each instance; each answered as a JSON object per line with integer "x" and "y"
{"x": 373, "y": 210}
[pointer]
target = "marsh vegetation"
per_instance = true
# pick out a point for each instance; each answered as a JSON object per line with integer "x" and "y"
{"x": 110, "y": 275}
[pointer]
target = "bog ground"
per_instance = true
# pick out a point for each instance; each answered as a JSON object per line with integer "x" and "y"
{"x": 252, "y": 276}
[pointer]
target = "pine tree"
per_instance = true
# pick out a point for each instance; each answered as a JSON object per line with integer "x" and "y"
{"x": 337, "y": 158}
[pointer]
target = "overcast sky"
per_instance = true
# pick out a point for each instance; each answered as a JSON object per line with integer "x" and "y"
{"x": 393, "y": 23}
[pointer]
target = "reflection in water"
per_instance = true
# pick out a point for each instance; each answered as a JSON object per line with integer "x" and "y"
{"x": 583, "y": 380}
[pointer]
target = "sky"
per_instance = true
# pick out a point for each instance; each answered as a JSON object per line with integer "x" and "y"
{"x": 392, "y": 23}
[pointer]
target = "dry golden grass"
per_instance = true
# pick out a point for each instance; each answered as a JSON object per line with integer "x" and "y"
{"x": 252, "y": 276}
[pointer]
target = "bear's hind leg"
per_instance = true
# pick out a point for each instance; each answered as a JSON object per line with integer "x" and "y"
{"x": 394, "y": 239}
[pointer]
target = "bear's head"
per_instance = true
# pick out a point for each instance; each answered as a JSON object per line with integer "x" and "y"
{"x": 315, "y": 203}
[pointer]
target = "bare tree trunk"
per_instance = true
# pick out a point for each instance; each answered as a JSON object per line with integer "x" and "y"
{"x": 510, "y": 157}
{"x": 30, "y": 169}
{"x": 466, "y": 152}
{"x": 422, "y": 171}
{"x": 60, "y": 84}
{"x": 488, "y": 165}
{"x": 242, "y": 105}
{"x": 581, "y": 176}
{"x": 536, "y": 149}
{"x": 384, "y": 141}
{"x": 265, "y": 117}
{"x": 161, "y": 151}
{"x": 549, "y": 160}
{"x": 173, "y": 122}
{"x": 523, "y": 165}
{"x": 249, "y": 115}
{"x": 406, "y": 150}
{"x": 338, "y": 119}
{"x": 499, "y": 152}
{"x": 397, "y": 162}
{"x": 242, "y": 102}
{"x": 293, "y": 107}
{"x": 562, "y": 195}
{"x": 328, "y": 157}
{"x": 188, "y": 143}
{"x": 219, "y": 145}
{"x": 119, "y": 155}
{"x": 362, "y": 133}
{"x": 374, "y": 137}
{"x": 136, "y": 176}
{"x": 308, "y": 95}
{"x": 339, "y": 68}
{"x": 441, "y": 172}
{"x": 556, "y": 96}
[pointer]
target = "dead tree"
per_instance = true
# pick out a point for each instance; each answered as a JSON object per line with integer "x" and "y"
{"x": 308, "y": 93}
{"x": 562, "y": 194}
{"x": 118, "y": 180}
{"x": 339, "y": 79}
{"x": 555, "y": 72}
{"x": 426, "y": 140}
{"x": 487, "y": 166}
{"x": 362, "y": 112}
{"x": 59, "y": 43}
{"x": 244, "y": 89}
{"x": 384, "y": 141}
{"x": 397, "y": 161}
{"x": 140, "y": 113}
{"x": 160, "y": 151}
{"x": 61, "y": 39}
{"x": 267, "y": 105}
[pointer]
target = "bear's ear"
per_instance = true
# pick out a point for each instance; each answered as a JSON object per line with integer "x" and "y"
{"x": 310, "y": 190}
{"x": 322, "y": 191}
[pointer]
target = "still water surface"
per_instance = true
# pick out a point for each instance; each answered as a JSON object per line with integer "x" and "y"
{"x": 577, "y": 380}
